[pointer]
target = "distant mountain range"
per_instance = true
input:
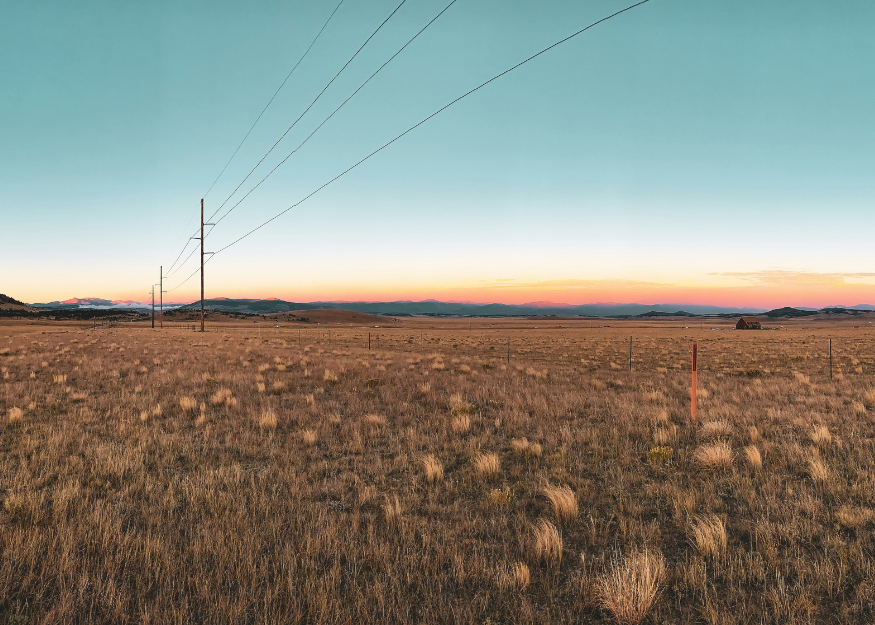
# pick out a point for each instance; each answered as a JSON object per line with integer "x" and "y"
{"x": 458, "y": 309}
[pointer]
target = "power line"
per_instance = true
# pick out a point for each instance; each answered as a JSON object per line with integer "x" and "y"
{"x": 437, "y": 112}
{"x": 312, "y": 43}
{"x": 308, "y": 108}
{"x": 257, "y": 119}
{"x": 300, "y": 145}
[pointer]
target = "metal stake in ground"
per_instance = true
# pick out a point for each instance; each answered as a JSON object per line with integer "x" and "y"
{"x": 693, "y": 383}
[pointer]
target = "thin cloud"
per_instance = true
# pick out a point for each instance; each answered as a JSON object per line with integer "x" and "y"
{"x": 780, "y": 277}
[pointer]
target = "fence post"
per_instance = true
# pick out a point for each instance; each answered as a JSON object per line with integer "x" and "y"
{"x": 830, "y": 359}
{"x": 508, "y": 350}
{"x": 693, "y": 384}
{"x": 420, "y": 345}
{"x": 630, "y": 353}
{"x": 369, "y": 341}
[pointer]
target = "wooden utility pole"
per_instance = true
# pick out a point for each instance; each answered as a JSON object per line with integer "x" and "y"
{"x": 161, "y": 294}
{"x": 202, "y": 261}
{"x": 202, "y": 264}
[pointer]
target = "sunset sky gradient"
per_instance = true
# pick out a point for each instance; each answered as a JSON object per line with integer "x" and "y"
{"x": 684, "y": 152}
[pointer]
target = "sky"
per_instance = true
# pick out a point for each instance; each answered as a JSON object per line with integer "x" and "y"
{"x": 685, "y": 151}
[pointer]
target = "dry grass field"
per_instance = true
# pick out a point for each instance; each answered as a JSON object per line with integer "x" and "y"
{"x": 249, "y": 476}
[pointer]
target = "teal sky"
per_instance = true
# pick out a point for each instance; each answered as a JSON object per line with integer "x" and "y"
{"x": 704, "y": 151}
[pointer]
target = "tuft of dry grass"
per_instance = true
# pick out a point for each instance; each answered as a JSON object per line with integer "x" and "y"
{"x": 187, "y": 404}
{"x": 715, "y": 429}
{"x": 631, "y": 585}
{"x": 329, "y": 377}
{"x": 754, "y": 434}
{"x": 714, "y": 457}
{"x": 564, "y": 503}
{"x": 820, "y": 436}
{"x": 374, "y": 420}
{"x": 854, "y": 517}
{"x": 487, "y": 466}
{"x": 461, "y": 424}
{"x": 522, "y": 447}
{"x": 708, "y": 535}
{"x": 818, "y": 471}
{"x": 547, "y": 543}
{"x": 516, "y": 577}
{"x": 15, "y": 414}
{"x": 308, "y": 437}
{"x": 434, "y": 470}
{"x": 392, "y": 510}
{"x": 754, "y": 460}
{"x": 664, "y": 436}
{"x": 268, "y": 420}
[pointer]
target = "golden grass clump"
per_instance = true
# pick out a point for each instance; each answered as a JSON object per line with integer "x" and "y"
{"x": 547, "y": 543}
{"x": 458, "y": 406}
{"x": 187, "y": 404}
{"x": 392, "y": 510}
{"x": 308, "y": 437}
{"x": 522, "y": 447}
{"x": 374, "y": 420}
{"x": 278, "y": 387}
{"x": 713, "y": 457}
{"x": 818, "y": 471}
{"x": 267, "y": 420}
{"x": 715, "y": 429}
{"x": 461, "y": 424}
{"x": 754, "y": 434}
{"x": 16, "y": 414}
{"x": 60, "y": 379}
{"x": 630, "y": 587}
{"x": 853, "y": 518}
{"x": 660, "y": 455}
{"x": 564, "y": 503}
{"x": 260, "y": 387}
{"x": 516, "y": 577}
{"x": 869, "y": 398}
{"x": 754, "y": 459}
{"x": 223, "y": 396}
{"x": 664, "y": 436}
{"x": 820, "y": 436}
{"x": 708, "y": 535}
{"x": 329, "y": 377}
{"x": 487, "y": 466}
{"x": 434, "y": 469}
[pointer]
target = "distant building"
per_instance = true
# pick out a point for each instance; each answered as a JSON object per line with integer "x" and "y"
{"x": 748, "y": 324}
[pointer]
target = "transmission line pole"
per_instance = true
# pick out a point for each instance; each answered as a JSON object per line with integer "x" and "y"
{"x": 153, "y": 306}
{"x": 202, "y": 261}
{"x": 202, "y": 264}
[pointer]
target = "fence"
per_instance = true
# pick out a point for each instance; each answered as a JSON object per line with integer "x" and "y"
{"x": 749, "y": 355}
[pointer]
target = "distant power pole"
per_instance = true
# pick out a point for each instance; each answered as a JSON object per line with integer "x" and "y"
{"x": 202, "y": 261}
{"x": 153, "y": 306}
{"x": 161, "y": 293}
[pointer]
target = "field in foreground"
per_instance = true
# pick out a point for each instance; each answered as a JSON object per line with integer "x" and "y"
{"x": 167, "y": 476}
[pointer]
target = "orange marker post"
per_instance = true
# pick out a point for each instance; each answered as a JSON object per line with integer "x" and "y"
{"x": 693, "y": 384}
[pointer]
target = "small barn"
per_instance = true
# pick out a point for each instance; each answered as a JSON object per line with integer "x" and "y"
{"x": 748, "y": 324}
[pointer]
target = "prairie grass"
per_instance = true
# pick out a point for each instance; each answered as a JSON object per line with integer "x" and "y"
{"x": 754, "y": 459}
{"x": 114, "y": 510}
{"x": 517, "y": 577}
{"x": 563, "y": 502}
{"x": 434, "y": 469}
{"x": 547, "y": 542}
{"x": 708, "y": 535}
{"x": 631, "y": 585}
{"x": 714, "y": 457}
{"x": 487, "y": 466}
